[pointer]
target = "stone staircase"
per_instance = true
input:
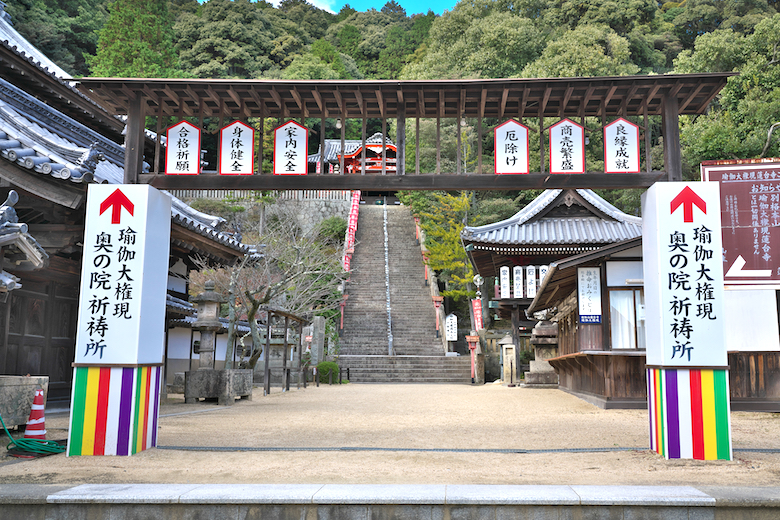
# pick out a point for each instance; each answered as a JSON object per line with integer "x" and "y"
{"x": 418, "y": 353}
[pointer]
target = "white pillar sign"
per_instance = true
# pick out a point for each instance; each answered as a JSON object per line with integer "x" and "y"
{"x": 542, "y": 273}
{"x": 121, "y": 318}
{"x": 518, "y": 281}
{"x": 291, "y": 142}
{"x": 589, "y": 294}
{"x": 567, "y": 147}
{"x": 683, "y": 273}
{"x": 237, "y": 149}
{"x": 451, "y": 327}
{"x": 182, "y": 150}
{"x": 530, "y": 281}
{"x": 511, "y": 148}
{"x": 505, "y": 287}
{"x": 621, "y": 147}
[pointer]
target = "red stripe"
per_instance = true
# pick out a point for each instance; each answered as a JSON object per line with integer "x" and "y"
{"x": 102, "y": 411}
{"x": 697, "y": 417}
{"x": 146, "y": 408}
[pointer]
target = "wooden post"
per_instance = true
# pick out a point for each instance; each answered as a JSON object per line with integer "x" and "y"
{"x": 671, "y": 126}
{"x": 157, "y": 142}
{"x": 400, "y": 144}
{"x": 267, "y": 356}
{"x": 384, "y": 143}
{"x": 343, "y": 136}
{"x": 417, "y": 146}
{"x": 134, "y": 140}
{"x": 648, "y": 142}
{"x": 541, "y": 139}
{"x": 363, "y": 142}
{"x": 322, "y": 144}
{"x": 458, "y": 169}
{"x": 285, "y": 373}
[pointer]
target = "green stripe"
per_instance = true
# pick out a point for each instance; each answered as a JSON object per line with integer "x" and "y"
{"x": 721, "y": 414}
{"x": 138, "y": 373}
{"x": 79, "y": 401}
{"x": 662, "y": 410}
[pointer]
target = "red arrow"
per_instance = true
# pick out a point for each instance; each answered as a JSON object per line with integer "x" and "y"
{"x": 687, "y": 198}
{"x": 116, "y": 201}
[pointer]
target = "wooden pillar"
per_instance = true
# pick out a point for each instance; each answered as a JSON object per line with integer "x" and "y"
{"x": 343, "y": 138}
{"x": 541, "y": 139}
{"x": 322, "y": 144}
{"x": 458, "y": 169}
{"x": 363, "y": 140}
{"x": 400, "y": 145}
{"x": 134, "y": 140}
{"x": 417, "y": 146}
{"x": 267, "y": 356}
{"x": 671, "y": 126}
{"x": 384, "y": 143}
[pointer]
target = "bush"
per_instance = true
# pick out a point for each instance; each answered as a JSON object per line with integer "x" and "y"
{"x": 325, "y": 368}
{"x": 525, "y": 356}
{"x": 333, "y": 229}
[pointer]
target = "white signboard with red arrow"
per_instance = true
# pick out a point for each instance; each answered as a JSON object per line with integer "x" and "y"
{"x": 683, "y": 275}
{"x": 124, "y": 276}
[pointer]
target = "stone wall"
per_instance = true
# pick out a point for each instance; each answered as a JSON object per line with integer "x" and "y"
{"x": 310, "y": 212}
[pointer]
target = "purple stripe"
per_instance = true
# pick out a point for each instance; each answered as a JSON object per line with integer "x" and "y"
{"x": 125, "y": 412}
{"x": 156, "y": 406}
{"x": 650, "y": 407}
{"x": 672, "y": 415}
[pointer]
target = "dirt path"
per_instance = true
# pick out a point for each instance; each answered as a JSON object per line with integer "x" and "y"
{"x": 398, "y": 417}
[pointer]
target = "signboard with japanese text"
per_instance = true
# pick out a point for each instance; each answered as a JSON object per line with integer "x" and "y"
{"x": 121, "y": 317}
{"x": 750, "y": 218}
{"x": 506, "y": 290}
{"x": 567, "y": 147}
{"x": 511, "y": 148}
{"x": 517, "y": 278}
{"x": 589, "y": 294}
{"x": 621, "y": 147}
{"x": 542, "y": 273}
{"x": 237, "y": 149}
{"x": 291, "y": 142}
{"x": 451, "y": 327}
{"x": 182, "y": 151}
{"x": 530, "y": 281}
{"x": 683, "y": 275}
{"x": 476, "y": 307}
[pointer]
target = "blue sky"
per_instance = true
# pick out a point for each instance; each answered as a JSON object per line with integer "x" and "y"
{"x": 412, "y": 7}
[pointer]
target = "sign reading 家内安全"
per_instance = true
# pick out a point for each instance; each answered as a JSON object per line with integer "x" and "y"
{"x": 290, "y": 149}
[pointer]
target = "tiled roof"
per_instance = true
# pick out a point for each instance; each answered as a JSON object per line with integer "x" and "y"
{"x": 179, "y": 306}
{"x": 242, "y": 327}
{"x": 517, "y": 230}
{"x": 333, "y": 147}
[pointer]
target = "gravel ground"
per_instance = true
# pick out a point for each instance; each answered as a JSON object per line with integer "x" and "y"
{"x": 400, "y": 419}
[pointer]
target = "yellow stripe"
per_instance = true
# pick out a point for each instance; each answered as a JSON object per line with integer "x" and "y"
{"x": 90, "y": 411}
{"x": 708, "y": 414}
{"x": 139, "y": 443}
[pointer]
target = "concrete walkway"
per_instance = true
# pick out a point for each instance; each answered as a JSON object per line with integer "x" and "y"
{"x": 369, "y": 451}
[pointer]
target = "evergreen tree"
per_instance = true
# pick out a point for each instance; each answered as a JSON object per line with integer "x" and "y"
{"x": 136, "y": 42}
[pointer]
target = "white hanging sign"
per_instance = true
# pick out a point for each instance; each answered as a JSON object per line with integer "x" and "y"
{"x": 182, "y": 150}
{"x": 518, "y": 281}
{"x": 621, "y": 147}
{"x": 683, "y": 275}
{"x": 290, "y": 149}
{"x": 511, "y": 148}
{"x": 542, "y": 273}
{"x": 121, "y": 316}
{"x": 505, "y": 287}
{"x": 589, "y": 294}
{"x": 237, "y": 149}
{"x": 451, "y": 327}
{"x": 530, "y": 281}
{"x": 567, "y": 147}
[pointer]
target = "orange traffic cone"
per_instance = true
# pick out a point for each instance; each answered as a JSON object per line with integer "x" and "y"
{"x": 36, "y": 424}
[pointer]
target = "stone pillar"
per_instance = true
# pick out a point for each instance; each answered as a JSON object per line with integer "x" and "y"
{"x": 544, "y": 338}
{"x": 318, "y": 340}
{"x": 207, "y": 323}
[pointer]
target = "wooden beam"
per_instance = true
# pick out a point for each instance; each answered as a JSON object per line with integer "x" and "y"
{"x": 381, "y": 100}
{"x": 134, "y": 141}
{"x": 502, "y": 105}
{"x": 447, "y": 182}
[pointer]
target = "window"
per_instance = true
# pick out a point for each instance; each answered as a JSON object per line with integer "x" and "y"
{"x": 627, "y": 318}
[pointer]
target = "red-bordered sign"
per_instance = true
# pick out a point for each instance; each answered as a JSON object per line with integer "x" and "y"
{"x": 237, "y": 149}
{"x": 291, "y": 143}
{"x": 182, "y": 150}
{"x": 511, "y": 148}
{"x": 567, "y": 147}
{"x": 621, "y": 147}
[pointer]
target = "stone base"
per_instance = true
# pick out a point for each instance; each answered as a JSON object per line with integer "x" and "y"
{"x": 223, "y": 385}
{"x": 548, "y": 379}
{"x": 16, "y": 397}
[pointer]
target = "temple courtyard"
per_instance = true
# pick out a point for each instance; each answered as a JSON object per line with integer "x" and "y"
{"x": 407, "y": 434}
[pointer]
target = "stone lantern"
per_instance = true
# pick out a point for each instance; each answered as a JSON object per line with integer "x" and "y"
{"x": 207, "y": 323}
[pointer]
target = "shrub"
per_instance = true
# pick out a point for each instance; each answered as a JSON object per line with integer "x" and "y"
{"x": 525, "y": 356}
{"x": 333, "y": 229}
{"x": 324, "y": 369}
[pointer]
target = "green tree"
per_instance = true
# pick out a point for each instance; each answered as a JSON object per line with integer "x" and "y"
{"x": 136, "y": 42}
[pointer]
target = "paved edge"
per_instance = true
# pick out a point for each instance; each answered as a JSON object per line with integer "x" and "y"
{"x": 331, "y": 494}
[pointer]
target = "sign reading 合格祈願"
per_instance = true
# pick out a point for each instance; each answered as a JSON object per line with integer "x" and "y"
{"x": 121, "y": 318}
{"x": 750, "y": 218}
{"x": 589, "y": 294}
{"x": 290, "y": 149}
{"x": 681, "y": 243}
{"x": 451, "y": 327}
{"x": 567, "y": 147}
{"x": 517, "y": 278}
{"x": 511, "y": 148}
{"x": 237, "y": 149}
{"x": 505, "y": 285}
{"x": 182, "y": 152}
{"x": 621, "y": 147}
